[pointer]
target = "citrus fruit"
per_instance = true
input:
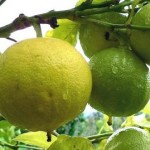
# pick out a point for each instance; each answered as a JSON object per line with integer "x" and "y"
{"x": 44, "y": 83}
{"x": 121, "y": 82}
{"x": 129, "y": 138}
{"x": 94, "y": 38}
{"x": 139, "y": 39}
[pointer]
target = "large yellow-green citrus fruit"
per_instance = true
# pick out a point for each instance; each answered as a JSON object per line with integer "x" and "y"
{"x": 140, "y": 39}
{"x": 44, "y": 82}
{"x": 94, "y": 38}
{"x": 129, "y": 138}
{"x": 121, "y": 82}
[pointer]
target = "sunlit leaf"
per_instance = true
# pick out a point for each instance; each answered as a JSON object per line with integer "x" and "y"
{"x": 144, "y": 124}
{"x": 146, "y": 109}
{"x": 65, "y": 142}
{"x": 138, "y": 120}
{"x": 128, "y": 122}
{"x": 105, "y": 127}
{"x": 35, "y": 138}
{"x": 102, "y": 144}
{"x": 67, "y": 31}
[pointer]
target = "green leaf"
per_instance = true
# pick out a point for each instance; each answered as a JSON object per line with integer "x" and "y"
{"x": 65, "y": 142}
{"x": 144, "y": 124}
{"x": 5, "y": 124}
{"x": 139, "y": 121}
{"x": 130, "y": 121}
{"x": 102, "y": 144}
{"x": 35, "y": 138}
{"x": 105, "y": 127}
{"x": 146, "y": 109}
{"x": 67, "y": 31}
{"x": 7, "y": 131}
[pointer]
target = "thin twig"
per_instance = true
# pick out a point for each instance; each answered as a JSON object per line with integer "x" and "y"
{"x": 97, "y": 138}
{"x": 99, "y": 135}
{"x": 2, "y": 1}
{"x": 55, "y": 133}
{"x": 119, "y": 26}
{"x": 2, "y": 143}
{"x": 11, "y": 39}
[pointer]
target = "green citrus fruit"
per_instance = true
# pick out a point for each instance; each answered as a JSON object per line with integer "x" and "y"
{"x": 140, "y": 39}
{"x": 121, "y": 82}
{"x": 44, "y": 83}
{"x": 94, "y": 38}
{"x": 129, "y": 138}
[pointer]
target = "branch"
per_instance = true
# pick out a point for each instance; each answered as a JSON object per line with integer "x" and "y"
{"x": 118, "y": 26}
{"x": 74, "y": 14}
{"x": 99, "y": 137}
{"x": 107, "y": 8}
{"x": 23, "y": 21}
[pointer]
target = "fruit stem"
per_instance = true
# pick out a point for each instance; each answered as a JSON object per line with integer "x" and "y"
{"x": 37, "y": 27}
{"x": 48, "y": 137}
{"x": 109, "y": 122}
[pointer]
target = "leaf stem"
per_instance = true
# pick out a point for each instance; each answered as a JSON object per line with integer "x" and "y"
{"x": 87, "y": 12}
{"x": 121, "y": 26}
{"x": 99, "y": 137}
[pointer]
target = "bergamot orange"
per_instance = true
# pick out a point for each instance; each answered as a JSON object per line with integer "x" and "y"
{"x": 121, "y": 82}
{"x": 140, "y": 39}
{"x": 94, "y": 38}
{"x": 44, "y": 83}
{"x": 129, "y": 138}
